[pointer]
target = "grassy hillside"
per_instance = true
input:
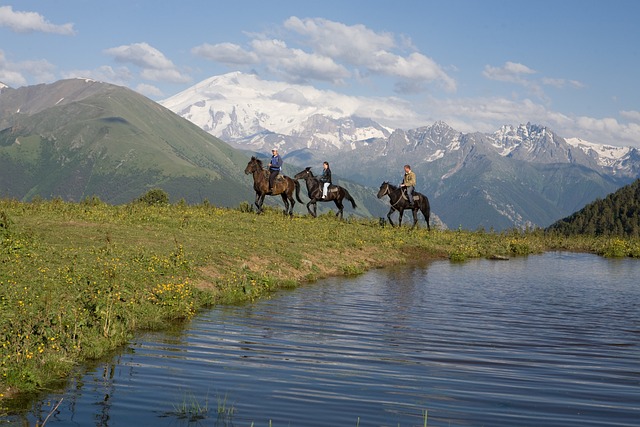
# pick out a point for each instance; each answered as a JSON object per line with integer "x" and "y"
{"x": 115, "y": 144}
{"x": 78, "y": 279}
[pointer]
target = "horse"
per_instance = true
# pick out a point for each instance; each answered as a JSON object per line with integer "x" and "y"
{"x": 314, "y": 190}
{"x": 399, "y": 202}
{"x": 283, "y": 186}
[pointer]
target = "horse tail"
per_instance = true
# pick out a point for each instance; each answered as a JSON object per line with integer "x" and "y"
{"x": 426, "y": 209}
{"x": 349, "y": 198}
{"x": 297, "y": 184}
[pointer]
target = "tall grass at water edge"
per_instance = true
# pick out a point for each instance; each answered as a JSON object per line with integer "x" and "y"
{"x": 77, "y": 280}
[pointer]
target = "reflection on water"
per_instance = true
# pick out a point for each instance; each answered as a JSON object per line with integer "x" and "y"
{"x": 549, "y": 340}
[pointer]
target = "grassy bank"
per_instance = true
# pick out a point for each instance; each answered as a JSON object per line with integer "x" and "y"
{"x": 78, "y": 279}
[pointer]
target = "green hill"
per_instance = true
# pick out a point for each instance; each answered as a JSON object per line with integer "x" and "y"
{"x": 76, "y": 138}
{"x": 616, "y": 215}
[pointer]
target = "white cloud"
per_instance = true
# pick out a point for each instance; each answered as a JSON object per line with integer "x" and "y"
{"x": 155, "y": 66}
{"x": 292, "y": 96}
{"x": 333, "y": 52}
{"x": 352, "y": 44}
{"x": 632, "y": 115}
{"x": 296, "y": 65}
{"x": 360, "y": 46}
{"x": 512, "y": 72}
{"x": 27, "y": 22}
{"x": 227, "y": 53}
{"x": 118, "y": 76}
{"x": 149, "y": 90}
{"x": 414, "y": 68}
{"x": 561, "y": 83}
{"x": 16, "y": 74}
{"x": 12, "y": 78}
{"x": 141, "y": 54}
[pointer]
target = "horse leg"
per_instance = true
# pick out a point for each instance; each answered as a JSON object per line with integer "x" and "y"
{"x": 340, "y": 207}
{"x": 414, "y": 211}
{"x": 392, "y": 210}
{"x": 426, "y": 216}
{"x": 312, "y": 212}
{"x": 258, "y": 202}
{"x": 286, "y": 203}
{"x": 291, "y": 202}
{"x": 401, "y": 214}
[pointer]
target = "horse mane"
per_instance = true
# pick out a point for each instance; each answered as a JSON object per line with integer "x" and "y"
{"x": 308, "y": 169}
{"x": 257, "y": 160}
{"x": 391, "y": 186}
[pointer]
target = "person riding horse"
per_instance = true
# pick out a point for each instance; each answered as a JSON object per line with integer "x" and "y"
{"x": 275, "y": 166}
{"x": 325, "y": 179}
{"x": 409, "y": 184}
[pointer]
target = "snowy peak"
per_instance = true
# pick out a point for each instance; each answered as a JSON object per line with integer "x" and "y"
{"x": 603, "y": 153}
{"x": 244, "y": 109}
{"x": 250, "y": 113}
{"x": 616, "y": 160}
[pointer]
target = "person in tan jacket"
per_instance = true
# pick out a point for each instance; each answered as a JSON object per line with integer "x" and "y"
{"x": 409, "y": 184}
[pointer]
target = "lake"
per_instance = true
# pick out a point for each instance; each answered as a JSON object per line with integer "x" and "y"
{"x": 543, "y": 340}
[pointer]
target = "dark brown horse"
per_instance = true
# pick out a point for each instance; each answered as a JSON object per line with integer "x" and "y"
{"x": 335, "y": 194}
{"x": 399, "y": 202}
{"x": 283, "y": 186}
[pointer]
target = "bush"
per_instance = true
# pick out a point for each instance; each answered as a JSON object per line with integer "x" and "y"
{"x": 155, "y": 196}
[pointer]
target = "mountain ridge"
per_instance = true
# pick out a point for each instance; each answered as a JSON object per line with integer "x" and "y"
{"x": 513, "y": 160}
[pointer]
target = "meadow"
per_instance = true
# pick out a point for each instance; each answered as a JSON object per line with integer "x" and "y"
{"x": 78, "y": 280}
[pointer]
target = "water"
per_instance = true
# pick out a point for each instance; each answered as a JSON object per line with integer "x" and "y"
{"x": 546, "y": 340}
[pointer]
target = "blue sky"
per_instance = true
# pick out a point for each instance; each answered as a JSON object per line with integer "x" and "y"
{"x": 571, "y": 65}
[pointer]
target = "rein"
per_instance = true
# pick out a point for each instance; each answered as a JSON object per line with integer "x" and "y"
{"x": 393, "y": 205}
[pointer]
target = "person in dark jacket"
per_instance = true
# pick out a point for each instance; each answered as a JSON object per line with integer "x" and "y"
{"x": 325, "y": 179}
{"x": 275, "y": 166}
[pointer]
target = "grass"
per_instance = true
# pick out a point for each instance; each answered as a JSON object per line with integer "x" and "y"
{"x": 77, "y": 280}
{"x": 191, "y": 409}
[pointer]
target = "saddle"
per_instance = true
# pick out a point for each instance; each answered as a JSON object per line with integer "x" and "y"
{"x": 415, "y": 197}
{"x": 279, "y": 177}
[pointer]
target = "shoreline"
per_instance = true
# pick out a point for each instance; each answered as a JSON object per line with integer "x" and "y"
{"x": 82, "y": 278}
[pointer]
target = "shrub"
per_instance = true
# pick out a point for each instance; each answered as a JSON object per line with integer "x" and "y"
{"x": 155, "y": 196}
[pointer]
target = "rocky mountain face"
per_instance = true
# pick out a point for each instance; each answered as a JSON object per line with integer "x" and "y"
{"x": 518, "y": 176}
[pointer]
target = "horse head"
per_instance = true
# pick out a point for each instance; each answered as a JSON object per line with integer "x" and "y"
{"x": 306, "y": 173}
{"x": 254, "y": 165}
{"x": 384, "y": 189}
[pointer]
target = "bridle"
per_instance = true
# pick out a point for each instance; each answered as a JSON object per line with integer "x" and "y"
{"x": 388, "y": 193}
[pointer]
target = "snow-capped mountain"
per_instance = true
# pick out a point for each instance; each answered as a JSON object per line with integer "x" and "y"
{"x": 618, "y": 160}
{"x": 519, "y": 176}
{"x": 248, "y": 112}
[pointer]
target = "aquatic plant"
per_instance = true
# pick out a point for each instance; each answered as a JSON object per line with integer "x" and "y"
{"x": 190, "y": 408}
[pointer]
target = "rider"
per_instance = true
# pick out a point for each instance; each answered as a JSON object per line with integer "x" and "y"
{"x": 275, "y": 166}
{"x": 325, "y": 179}
{"x": 409, "y": 183}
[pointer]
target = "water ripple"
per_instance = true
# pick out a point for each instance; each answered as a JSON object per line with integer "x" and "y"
{"x": 548, "y": 340}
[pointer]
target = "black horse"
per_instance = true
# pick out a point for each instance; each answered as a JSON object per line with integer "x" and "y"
{"x": 400, "y": 202}
{"x": 314, "y": 189}
{"x": 283, "y": 186}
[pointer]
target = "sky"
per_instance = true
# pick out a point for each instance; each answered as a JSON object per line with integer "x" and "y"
{"x": 570, "y": 65}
